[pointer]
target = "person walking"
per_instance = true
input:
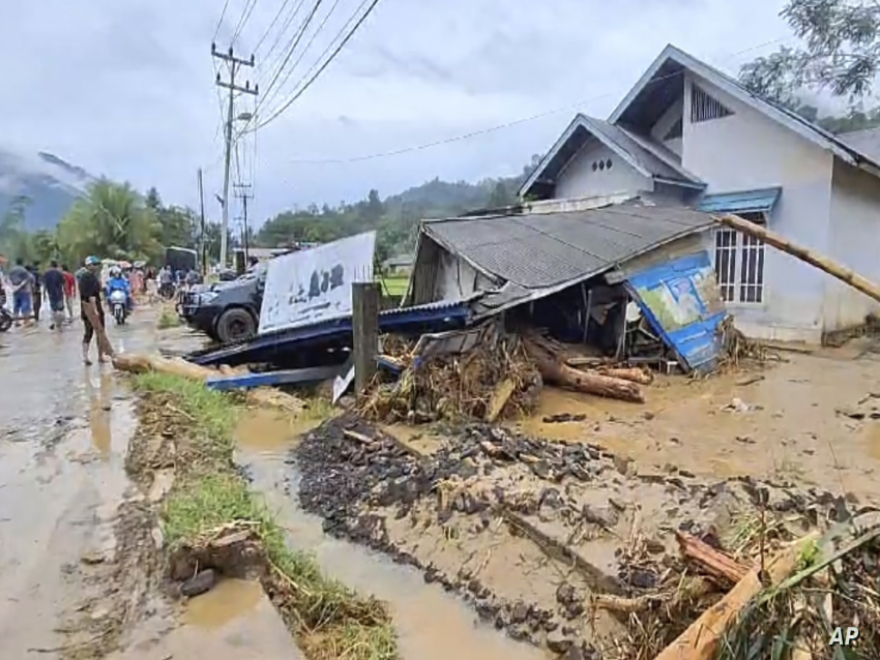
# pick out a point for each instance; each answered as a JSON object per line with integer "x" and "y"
{"x": 37, "y": 290}
{"x": 90, "y": 295}
{"x": 53, "y": 282}
{"x": 69, "y": 291}
{"x": 22, "y": 291}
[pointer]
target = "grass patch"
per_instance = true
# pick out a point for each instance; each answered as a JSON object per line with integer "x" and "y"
{"x": 395, "y": 285}
{"x": 169, "y": 319}
{"x": 328, "y": 619}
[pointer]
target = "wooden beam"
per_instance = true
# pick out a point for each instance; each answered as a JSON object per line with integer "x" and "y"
{"x": 365, "y": 302}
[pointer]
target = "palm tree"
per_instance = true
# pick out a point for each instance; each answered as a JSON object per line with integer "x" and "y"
{"x": 111, "y": 221}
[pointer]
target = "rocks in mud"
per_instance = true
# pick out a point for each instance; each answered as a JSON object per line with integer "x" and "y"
{"x": 201, "y": 583}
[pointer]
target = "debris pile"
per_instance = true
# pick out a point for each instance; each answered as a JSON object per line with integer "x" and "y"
{"x": 492, "y": 380}
{"x": 645, "y": 550}
{"x": 735, "y": 346}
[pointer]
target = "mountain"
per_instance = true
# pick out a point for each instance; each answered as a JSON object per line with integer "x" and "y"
{"x": 49, "y": 182}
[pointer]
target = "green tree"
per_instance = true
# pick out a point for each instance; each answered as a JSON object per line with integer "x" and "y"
{"x": 841, "y": 53}
{"x": 14, "y": 240}
{"x": 500, "y": 196}
{"x": 111, "y": 221}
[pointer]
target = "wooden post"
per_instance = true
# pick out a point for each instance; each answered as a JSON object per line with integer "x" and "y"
{"x": 823, "y": 263}
{"x": 365, "y": 298}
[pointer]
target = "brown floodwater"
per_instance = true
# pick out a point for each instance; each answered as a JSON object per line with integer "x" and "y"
{"x": 431, "y": 624}
{"x": 269, "y": 430}
{"x": 228, "y": 600}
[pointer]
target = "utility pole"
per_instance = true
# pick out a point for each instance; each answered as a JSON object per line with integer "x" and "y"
{"x": 203, "y": 246}
{"x": 234, "y": 63}
{"x": 241, "y": 191}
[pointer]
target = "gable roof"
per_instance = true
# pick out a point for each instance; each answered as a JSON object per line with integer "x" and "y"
{"x": 673, "y": 61}
{"x": 647, "y": 159}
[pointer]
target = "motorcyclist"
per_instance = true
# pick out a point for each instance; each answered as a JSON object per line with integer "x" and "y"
{"x": 119, "y": 283}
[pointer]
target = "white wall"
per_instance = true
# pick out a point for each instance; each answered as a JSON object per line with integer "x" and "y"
{"x": 854, "y": 241}
{"x": 578, "y": 179}
{"x": 748, "y": 150}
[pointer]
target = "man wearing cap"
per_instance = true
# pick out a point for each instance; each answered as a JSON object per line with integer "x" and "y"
{"x": 90, "y": 295}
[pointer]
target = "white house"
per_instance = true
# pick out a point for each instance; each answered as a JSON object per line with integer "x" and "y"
{"x": 688, "y": 133}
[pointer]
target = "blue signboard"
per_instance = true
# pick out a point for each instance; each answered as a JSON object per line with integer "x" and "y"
{"x": 682, "y": 302}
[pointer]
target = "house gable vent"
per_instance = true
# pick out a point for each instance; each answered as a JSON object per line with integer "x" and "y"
{"x": 674, "y": 131}
{"x": 705, "y": 107}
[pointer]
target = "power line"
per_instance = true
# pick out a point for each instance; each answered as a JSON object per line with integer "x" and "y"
{"x": 242, "y": 21}
{"x": 220, "y": 22}
{"x": 321, "y": 69}
{"x": 271, "y": 25}
{"x": 295, "y": 42}
{"x": 302, "y": 54}
{"x": 283, "y": 30}
{"x": 492, "y": 129}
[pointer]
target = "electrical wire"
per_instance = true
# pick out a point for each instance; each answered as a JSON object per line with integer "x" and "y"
{"x": 321, "y": 69}
{"x": 271, "y": 25}
{"x": 282, "y": 31}
{"x": 492, "y": 129}
{"x": 295, "y": 42}
{"x": 220, "y": 22}
{"x": 242, "y": 21}
{"x": 267, "y": 97}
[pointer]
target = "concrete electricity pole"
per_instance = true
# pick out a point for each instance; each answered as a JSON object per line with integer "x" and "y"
{"x": 234, "y": 63}
{"x": 241, "y": 191}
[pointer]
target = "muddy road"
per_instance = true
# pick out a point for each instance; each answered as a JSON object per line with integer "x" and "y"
{"x": 63, "y": 433}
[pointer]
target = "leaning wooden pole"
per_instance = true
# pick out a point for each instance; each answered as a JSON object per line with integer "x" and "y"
{"x": 824, "y": 264}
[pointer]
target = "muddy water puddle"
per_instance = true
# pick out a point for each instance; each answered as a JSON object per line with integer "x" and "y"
{"x": 431, "y": 624}
{"x": 228, "y": 600}
{"x": 264, "y": 430}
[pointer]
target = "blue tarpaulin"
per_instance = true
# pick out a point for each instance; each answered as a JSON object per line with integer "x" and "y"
{"x": 746, "y": 201}
{"x": 682, "y": 302}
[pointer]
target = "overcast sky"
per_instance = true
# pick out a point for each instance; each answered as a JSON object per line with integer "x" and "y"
{"x": 125, "y": 88}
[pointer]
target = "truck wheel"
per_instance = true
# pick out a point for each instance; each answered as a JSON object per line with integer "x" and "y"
{"x": 235, "y": 325}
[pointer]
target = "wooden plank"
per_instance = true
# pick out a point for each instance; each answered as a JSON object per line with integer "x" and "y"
{"x": 271, "y": 378}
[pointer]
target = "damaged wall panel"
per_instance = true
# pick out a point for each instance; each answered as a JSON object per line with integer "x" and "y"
{"x": 682, "y": 302}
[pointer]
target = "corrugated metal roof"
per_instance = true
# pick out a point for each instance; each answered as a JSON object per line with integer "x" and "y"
{"x": 540, "y": 250}
{"x": 747, "y": 201}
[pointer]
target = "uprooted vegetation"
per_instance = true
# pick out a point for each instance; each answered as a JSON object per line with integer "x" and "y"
{"x": 213, "y": 522}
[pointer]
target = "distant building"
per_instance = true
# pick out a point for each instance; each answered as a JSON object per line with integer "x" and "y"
{"x": 401, "y": 264}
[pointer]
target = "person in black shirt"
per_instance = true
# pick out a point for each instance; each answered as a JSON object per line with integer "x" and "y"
{"x": 90, "y": 294}
{"x": 38, "y": 290}
{"x": 53, "y": 283}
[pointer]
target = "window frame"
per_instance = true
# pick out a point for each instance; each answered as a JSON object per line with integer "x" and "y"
{"x": 747, "y": 253}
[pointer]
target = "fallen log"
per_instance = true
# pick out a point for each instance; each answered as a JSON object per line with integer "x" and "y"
{"x": 554, "y": 370}
{"x": 715, "y": 562}
{"x": 632, "y": 374}
{"x": 702, "y": 639}
{"x": 139, "y": 363}
{"x": 826, "y": 265}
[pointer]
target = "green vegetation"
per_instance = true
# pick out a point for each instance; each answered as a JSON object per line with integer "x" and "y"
{"x": 394, "y": 285}
{"x": 841, "y": 54}
{"x": 328, "y": 619}
{"x": 169, "y": 319}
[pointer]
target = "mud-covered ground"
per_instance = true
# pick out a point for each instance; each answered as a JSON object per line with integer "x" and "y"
{"x": 528, "y": 529}
{"x": 71, "y": 526}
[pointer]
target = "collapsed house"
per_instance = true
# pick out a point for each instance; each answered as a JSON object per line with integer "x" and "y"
{"x": 630, "y": 280}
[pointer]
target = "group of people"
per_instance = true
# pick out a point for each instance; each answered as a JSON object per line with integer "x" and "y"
{"x": 59, "y": 287}
{"x": 28, "y": 286}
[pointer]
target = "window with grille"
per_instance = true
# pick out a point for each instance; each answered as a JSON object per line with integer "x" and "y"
{"x": 705, "y": 107}
{"x": 674, "y": 132}
{"x": 739, "y": 264}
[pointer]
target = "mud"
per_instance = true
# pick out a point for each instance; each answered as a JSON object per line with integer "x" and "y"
{"x": 524, "y": 529}
{"x": 787, "y": 427}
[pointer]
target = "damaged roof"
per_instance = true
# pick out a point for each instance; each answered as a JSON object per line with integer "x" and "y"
{"x": 541, "y": 251}
{"x": 647, "y": 159}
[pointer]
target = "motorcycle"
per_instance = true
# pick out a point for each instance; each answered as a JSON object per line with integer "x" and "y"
{"x": 167, "y": 291}
{"x": 118, "y": 305}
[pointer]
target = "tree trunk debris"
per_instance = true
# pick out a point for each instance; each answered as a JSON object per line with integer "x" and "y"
{"x": 554, "y": 370}
{"x": 702, "y": 639}
{"x": 716, "y": 563}
{"x": 826, "y": 265}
